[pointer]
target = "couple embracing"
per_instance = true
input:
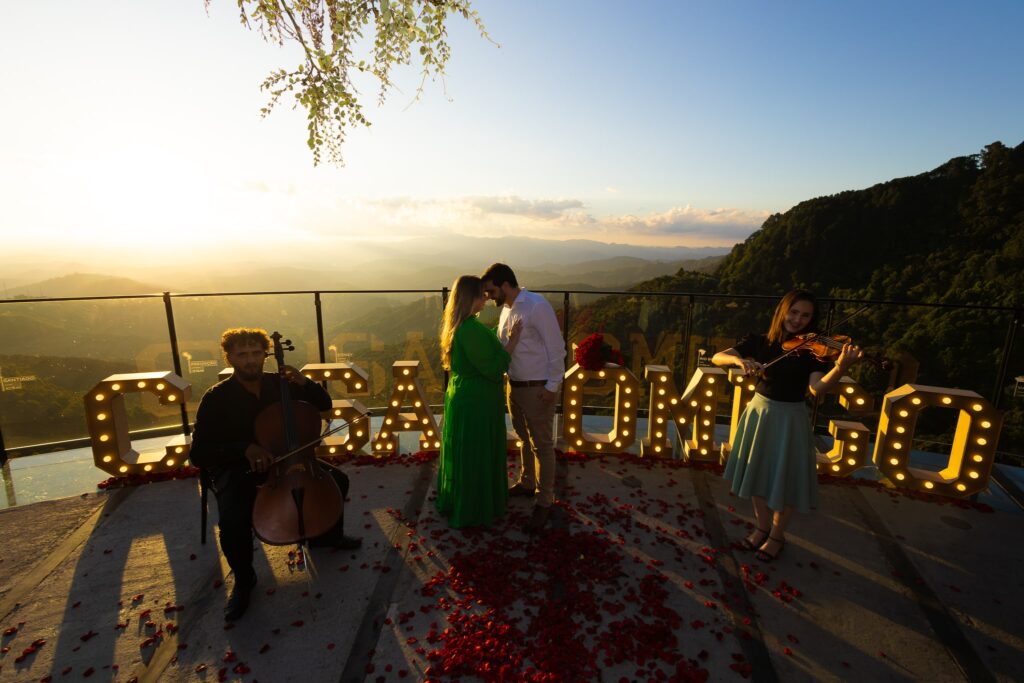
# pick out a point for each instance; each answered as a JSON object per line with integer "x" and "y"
{"x": 472, "y": 485}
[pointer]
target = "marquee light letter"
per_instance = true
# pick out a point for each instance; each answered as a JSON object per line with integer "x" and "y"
{"x": 356, "y": 382}
{"x": 974, "y": 444}
{"x": 741, "y": 395}
{"x": 849, "y": 449}
{"x": 623, "y": 432}
{"x": 108, "y": 423}
{"x": 696, "y": 407}
{"x": 407, "y": 390}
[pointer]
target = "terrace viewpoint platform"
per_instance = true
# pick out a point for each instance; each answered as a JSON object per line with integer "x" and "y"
{"x": 640, "y": 577}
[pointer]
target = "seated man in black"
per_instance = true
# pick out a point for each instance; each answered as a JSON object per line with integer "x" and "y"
{"x": 224, "y": 445}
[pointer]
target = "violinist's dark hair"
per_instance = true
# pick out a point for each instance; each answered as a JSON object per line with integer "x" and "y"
{"x": 498, "y": 274}
{"x": 776, "y": 331}
{"x": 243, "y": 335}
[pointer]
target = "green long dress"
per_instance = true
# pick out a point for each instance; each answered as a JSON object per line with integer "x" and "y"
{"x": 472, "y": 484}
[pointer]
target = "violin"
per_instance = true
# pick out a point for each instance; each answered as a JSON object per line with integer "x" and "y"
{"x": 826, "y": 347}
{"x": 300, "y": 500}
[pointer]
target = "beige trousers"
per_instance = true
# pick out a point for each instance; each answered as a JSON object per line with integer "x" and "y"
{"x": 532, "y": 420}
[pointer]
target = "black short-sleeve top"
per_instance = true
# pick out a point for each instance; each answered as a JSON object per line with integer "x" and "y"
{"x": 787, "y": 379}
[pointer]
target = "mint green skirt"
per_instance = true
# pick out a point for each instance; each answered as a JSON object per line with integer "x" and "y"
{"x": 773, "y": 455}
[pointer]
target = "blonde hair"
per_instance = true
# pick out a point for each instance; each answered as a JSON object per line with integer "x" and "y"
{"x": 243, "y": 335}
{"x": 465, "y": 290}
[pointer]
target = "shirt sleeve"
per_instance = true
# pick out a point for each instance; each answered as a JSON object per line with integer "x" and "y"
{"x": 483, "y": 350}
{"x": 312, "y": 392}
{"x": 747, "y": 346}
{"x": 213, "y": 445}
{"x": 546, "y": 324}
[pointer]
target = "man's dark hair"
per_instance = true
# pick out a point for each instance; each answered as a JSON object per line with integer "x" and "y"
{"x": 498, "y": 274}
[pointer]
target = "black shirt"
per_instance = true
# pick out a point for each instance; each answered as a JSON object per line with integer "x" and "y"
{"x": 227, "y": 414}
{"x": 787, "y": 379}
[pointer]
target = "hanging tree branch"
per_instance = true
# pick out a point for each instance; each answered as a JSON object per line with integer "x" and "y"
{"x": 328, "y": 31}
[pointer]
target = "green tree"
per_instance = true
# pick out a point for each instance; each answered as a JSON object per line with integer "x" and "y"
{"x": 331, "y": 35}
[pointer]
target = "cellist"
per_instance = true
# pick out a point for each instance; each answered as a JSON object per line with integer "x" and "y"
{"x": 225, "y": 446}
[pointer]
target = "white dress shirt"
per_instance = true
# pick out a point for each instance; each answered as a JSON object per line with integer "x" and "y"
{"x": 540, "y": 353}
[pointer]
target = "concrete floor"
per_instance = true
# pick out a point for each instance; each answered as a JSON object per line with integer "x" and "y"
{"x": 639, "y": 577}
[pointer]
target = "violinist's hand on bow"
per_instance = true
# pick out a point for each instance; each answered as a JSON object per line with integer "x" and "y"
{"x": 749, "y": 367}
{"x": 293, "y": 375}
{"x": 259, "y": 457}
{"x": 850, "y": 354}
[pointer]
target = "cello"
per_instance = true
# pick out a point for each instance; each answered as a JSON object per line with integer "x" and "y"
{"x": 299, "y": 500}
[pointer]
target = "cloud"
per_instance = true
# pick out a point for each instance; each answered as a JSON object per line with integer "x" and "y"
{"x": 537, "y": 209}
{"x": 685, "y": 220}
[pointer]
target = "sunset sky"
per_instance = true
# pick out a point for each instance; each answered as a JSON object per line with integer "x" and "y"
{"x": 129, "y": 125}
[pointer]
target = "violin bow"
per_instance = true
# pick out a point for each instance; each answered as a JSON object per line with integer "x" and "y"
{"x": 319, "y": 438}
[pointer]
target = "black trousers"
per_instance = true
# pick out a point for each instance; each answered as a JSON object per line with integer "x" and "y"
{"x": 235, "y": 489}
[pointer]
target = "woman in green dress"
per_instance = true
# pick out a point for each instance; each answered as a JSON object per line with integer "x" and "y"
{"x": 472, "y": 483}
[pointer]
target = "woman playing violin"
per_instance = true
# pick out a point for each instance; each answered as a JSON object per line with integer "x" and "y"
{"x": 772, "y": 460}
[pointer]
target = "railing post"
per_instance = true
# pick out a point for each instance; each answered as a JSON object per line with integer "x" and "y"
{"x": 565, "y": 344}
{"x": 1004, "y": 363}
{"x": 320, "y": 327}
{"x": 686, "y": 340}
{"x": 176, "y": 358}
{"x": 444, "y": 302}
{"x": 3, "y": 449}
{"x": 829, "y": 319}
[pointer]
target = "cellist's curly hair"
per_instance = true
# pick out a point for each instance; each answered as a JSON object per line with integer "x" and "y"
{"x": 243, "y": 335}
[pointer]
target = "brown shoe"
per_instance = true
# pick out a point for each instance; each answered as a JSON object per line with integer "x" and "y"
{"x": 538, "y": 519}
{"x": 521, "y": 489}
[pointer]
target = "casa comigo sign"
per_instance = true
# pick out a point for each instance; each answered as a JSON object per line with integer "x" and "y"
{"x": 691, "y": 411}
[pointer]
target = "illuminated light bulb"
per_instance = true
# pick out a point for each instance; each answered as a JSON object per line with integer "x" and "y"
{"x": 100, "y": 397}
{"x": 618, "y": 444}
{"x": 601, "y": 374}
{"x": 387, "y": 421}
{"x": 359, "y": 385}
{"x": 349, "y": 447}
{"x": 101, "y": 416}
{"x": 172, "y": 397}
{"x": 658, "y": 434}
{"x": 976, "y": 407}
{"x": 394, "y": 403}
{"x": 707, "y": 409}
{"x": 579, "y": 442}
{"x": 572, "y": 416}
{"x": 327, "y": 373}
{"x": 961, "y": 487}
{"x": 860, "y": 401}
{"x": 854, "y": 435}
{"x": 901, "y": 429}
{"x": 750, "y": 386}
{"x": 916, "y": 401}
{"x": 894, "y": 461}
{"x": 977, "y": 457}
{"x": 347, "y": 375}
{"x": 141, "y": 385}
{"x": 897, "y": 445}
{"x": 107, "y": 458}
{"x": 682, "y": 420}
{"x": 572, "y": 402}
{"x": 578, "y": 376}
{"x": 626, "y": 404}
{"x": 707, "y": 422}
{"x": 160, "y": 386}
{"x": 115, "y": 387}
{"x": 406, "y": 371}
{"x": 625, "y": 418}
{"x": 390, "y": 446}
{"x": 904, "y": 413}
{"x": 657, "y": 449}
{"x": 851, "y": 461}
{"x": 709, "y": 393}
{"x": 674, "y": 401}
{"x": 973, "y": 475}
{"x": 425, "y": 421}
{"x": 900, "y": 476}
{"x": 332, "y": 450}
{"x": 660, "y": 420}
{"x": 986, "y": 424}
{"x": 693, "y": 404}
{"x": 982, "y": 441}
{"x": 170, "y": 463}
{"x": 622, "y": 378}
{"x": 437, "y": 444}
{"x": 573, "y": 387}
{"x": 703, "y": 451}
{"x": 418, "y": 404}
{"x": 401, "y": 387}
{"x": 519, "y": 444}
{"x": 628, "y": 390}
{"x": 704, "y": 436}
{"x": 663, "y": 378}
{"x": 405, "y": 425}
{"x": 337, "y": 413}
{"x": 122, "y": 468}
{"x": 947, "y": 400}
{"x": 383, "y": 435}
{"x": 597, "y": 446}
{"x": 849, "y": 390}
{"x": 625, "y": 432}
{"x": 835, "y": 468}
{"x": 430, "y": 432}
{"x": 179, "y": 450}
{"x": 852, "y": 448}
{"x": 104, "y": 437}
{"x": 572, "y": 430}
{"x": 929, "y": 485}
{"x": 309, "y": 376}
{"x": 359, "y": 433}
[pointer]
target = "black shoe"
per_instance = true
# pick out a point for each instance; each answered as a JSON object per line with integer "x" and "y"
{"x": 538, "y": 519}
{"x": 239, "y": 600}
{"x": 339, "y": 542}
{"x": 521, "y": 489}
{"x": 766, "y": 556}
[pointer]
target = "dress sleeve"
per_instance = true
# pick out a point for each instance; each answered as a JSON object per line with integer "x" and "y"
{"x": 482, "y": 349}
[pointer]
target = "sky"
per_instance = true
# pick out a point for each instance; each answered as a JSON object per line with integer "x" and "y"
{"x": 132, "y": 129}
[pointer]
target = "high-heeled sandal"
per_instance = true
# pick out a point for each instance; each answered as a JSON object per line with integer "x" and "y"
{"x": 747, "y": 545}
{"x": 766, "y": 556}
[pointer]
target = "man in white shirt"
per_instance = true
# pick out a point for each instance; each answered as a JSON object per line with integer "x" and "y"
{"x": 535, "y": 378}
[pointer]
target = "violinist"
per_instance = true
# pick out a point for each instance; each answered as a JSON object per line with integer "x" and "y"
{"x": 225, "y": 446}
{"x": 772, "y": 460}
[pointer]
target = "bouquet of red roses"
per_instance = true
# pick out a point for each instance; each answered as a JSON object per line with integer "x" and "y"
{"x": 592, "y": 353}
